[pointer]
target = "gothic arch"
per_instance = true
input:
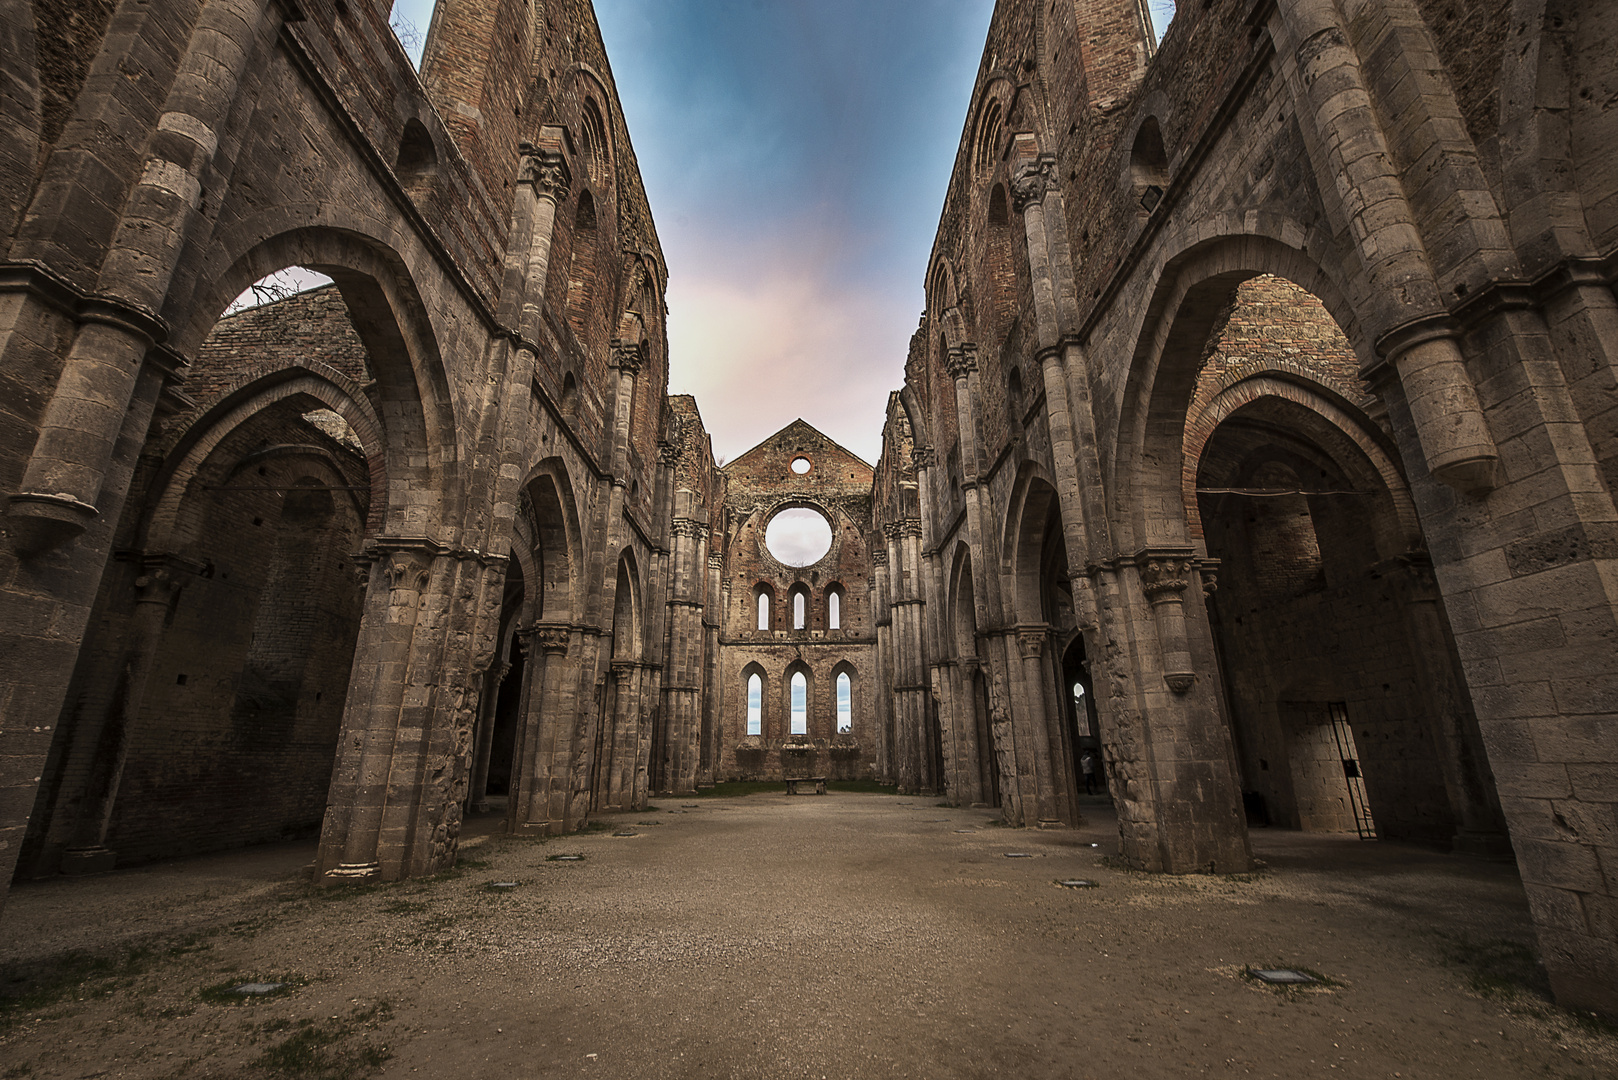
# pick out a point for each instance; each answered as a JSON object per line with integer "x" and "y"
{"x": 321, "y": 385}
{"x": 1169, "y": 337}
{"x": 420, "y": 437}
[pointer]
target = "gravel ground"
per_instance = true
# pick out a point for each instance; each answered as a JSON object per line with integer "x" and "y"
{"x": 837, "y": 936}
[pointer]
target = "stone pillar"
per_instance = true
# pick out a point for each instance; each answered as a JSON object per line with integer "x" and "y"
{"x": 882, "y": 619}
{"x": 86, "y": 852}
{"x": 1164, "y": 578}
{"x": 539, "y": 767}
{"x": 374, "y": 717}
{"x": 621, "y": 748}
{"x": 1345, "y": 139}
{"x": 1033, "y": 722}
{"x": 61, "y": 488}
{"x": 477, "y": 791}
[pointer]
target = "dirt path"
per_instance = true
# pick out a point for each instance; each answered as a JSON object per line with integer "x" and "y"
{"x": 837, "y": 936}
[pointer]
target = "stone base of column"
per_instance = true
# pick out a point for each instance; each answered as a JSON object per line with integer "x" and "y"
{"x": 353, "y": 872}
{"x": 1049, "y": 823}
{"x": 90, "y": 860}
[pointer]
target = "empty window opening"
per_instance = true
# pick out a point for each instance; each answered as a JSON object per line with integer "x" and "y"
{"x": 281, "y": 285}
{"x": 582, "y": 270}
{"x": 755, "y": 705}
{"x": 845, "y": 704}
{"x": 798, "y": 537}
{"x": 417, "y": 156}
{"x": 1149, "y": 165}
{"x": 570, "y": 398}
{"x": 800, "y": 704}
{"x": 800, "y": 465}
{"x": 988, "y": 140}
{"x": 834, "y": 610}
{"x": 763, "y": 611}
{"x": 800, "y": 610}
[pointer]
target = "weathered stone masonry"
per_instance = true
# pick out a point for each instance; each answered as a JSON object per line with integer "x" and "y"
{"x": 1263, "y": 417}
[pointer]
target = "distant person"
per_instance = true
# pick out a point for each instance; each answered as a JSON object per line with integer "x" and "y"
{"x": 1087, "y": 765}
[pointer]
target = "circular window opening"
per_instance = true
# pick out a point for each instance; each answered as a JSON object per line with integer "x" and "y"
{"x": 800, "y": 465}
{"x": 798, "y": 537}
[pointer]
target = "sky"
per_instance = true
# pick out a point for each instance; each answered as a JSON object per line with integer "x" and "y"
{"x": 795, "y": 154}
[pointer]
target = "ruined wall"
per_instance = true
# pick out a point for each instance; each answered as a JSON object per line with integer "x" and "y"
{"x": 758, "y": 485}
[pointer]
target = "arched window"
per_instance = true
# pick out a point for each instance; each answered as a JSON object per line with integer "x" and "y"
{"x": 755, "y": 705}
{"x": 845, "y": 704}
{"x": 800, "y": 611}
{"x": 763, "y": 611}
{"x": 834, "y": 610}
{"x": 800, "y": 704}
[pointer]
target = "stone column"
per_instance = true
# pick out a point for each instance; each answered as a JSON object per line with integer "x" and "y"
{"x": 1164, "y": 578}
{"x": 1345, "y": 139}
{"x": 61, "y": 488}
{"x": 86, "y": 852}
{"x": 1034, "y": 723}
{"x": 351, "y": 839}
{"x": 622, "y": 744}
{"x": 882, "y": 619}
{"x": 477, "y": 791}
{"x": 539, "y": 785}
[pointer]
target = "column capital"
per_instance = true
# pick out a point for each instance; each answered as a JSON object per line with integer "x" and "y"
{"x": 961, "y": 360}
{"x": 627, "y": 356}
{"x": 545, "y": 170}
{"x": 547, "y": 637}
{"x": 1031, "y": 640}
{"x": 1164, "y": 575}
{"x": 1031, "y": 180}
{"x": 924, "y": 457}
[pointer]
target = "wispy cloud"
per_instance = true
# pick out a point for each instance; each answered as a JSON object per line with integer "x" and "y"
{"x": 796, "y": 157}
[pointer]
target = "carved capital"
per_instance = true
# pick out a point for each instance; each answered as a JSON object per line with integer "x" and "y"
{"x": 550, "y": 639}
{"x": 892, "y": 530}
{"x": 627, "y": 355}
{"x": 668, "y": 453}
{"x": 1181, "y": 682}
{"x": 879, "y": 558}
{"x": 157, "y": 580}
{"x": 961, "y": 360}
{"x": 716, "y": 562}
{"x": 924, "y": 457}
{"x": 684, "y": 526}
{"x": 1031, "y": 642}
{"x": 1165, "y": 577}
{"x": 1031, "y": 181}
{"x": 546, "y": 170}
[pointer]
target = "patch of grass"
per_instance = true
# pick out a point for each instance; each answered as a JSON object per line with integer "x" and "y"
{"x": 334, "y": 1049}
{"x": 28, "y": 986}
{"x": 220, "y": 992}
{"x": 1497, "y": 969}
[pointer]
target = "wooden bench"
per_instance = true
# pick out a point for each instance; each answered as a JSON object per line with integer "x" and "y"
{"x": 818, "y": 781}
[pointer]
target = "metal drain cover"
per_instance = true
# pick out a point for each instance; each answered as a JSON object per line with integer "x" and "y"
{"x": 626, "y": 832}
{"x": 1018, "y": 855}
{"x": 1078, "y": 883}
{"x": 1282, "y": 976}
{"x": 257, "y": 989}
{"x": 502, "y": 884}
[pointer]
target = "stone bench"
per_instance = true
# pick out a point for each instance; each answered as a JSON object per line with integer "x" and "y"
{"x": 818, "y": 781}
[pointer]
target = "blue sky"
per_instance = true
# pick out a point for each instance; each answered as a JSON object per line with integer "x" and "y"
{"x": 796, "y": 155}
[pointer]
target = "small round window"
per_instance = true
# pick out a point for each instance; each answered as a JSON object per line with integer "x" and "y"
{"x": 798, "y": 537}
{"x": 800, "y": 465}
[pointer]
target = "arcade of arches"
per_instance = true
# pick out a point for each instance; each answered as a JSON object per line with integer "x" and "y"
{"x": 1256, "y": 449}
